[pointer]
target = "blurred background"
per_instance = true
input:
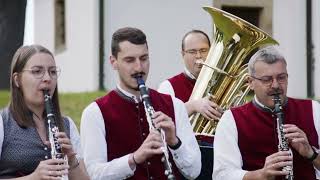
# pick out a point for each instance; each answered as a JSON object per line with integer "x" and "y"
{"x": 78, "y": 32}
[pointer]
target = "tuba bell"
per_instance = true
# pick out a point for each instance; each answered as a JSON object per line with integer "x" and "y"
{"x": 224, "y": 72}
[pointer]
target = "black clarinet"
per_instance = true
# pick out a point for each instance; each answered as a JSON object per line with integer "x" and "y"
{"x": 149, "y": 113}
{"x": 283, "y": 141}
{"x": 56, "y": 149}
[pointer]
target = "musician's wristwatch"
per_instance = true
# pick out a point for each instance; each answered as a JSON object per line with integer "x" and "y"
{"x": 314, "y": 155}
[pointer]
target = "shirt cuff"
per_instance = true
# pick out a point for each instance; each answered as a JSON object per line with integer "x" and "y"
{"x": 317, "y": 173}
{"x": 126, "y": 168}
{"x": 176, "y": 153}
{"x": 176, "y": 146}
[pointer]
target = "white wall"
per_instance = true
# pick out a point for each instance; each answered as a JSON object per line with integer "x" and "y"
{"x": 289, "y": 29}
{"x": 43, "y": 23}
{"x": 28, "y": 37}
{"x": 316, "y": 43}
{"x": 79, "y": 61}
{"x": 164, "y": 22}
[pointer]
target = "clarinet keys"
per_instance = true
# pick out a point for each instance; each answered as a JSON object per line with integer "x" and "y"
{"x": 283, "y": 141}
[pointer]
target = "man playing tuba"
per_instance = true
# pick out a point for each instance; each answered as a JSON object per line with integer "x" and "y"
{"x": 194, "y": 49}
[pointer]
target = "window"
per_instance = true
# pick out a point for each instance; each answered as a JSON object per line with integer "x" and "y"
{"x": 250, "y": 14}
{"x": 60, "y": 29}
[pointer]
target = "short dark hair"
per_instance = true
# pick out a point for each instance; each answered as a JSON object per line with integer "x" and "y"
{"x": 17, "y": 106}
{"x": 194, "y": 31}
{"x": 133, "y": 35}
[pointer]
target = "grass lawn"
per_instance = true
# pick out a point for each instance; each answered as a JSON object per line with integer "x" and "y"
{"x": 4, "y": 98}
{"x": 71, "y": 104}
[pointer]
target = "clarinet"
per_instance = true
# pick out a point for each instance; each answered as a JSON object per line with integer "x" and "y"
{"x": 283, "y": 141}
{"x": 56, "y": 149}
{"x": 149, "y": 113}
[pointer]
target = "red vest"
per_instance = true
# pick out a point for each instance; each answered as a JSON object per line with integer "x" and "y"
{"x": 182, "y": 86}
{"x": 126, "y": 129}
{"x": 257, "y": 134}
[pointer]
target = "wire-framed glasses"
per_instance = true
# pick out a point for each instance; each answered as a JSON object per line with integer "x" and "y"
{"x": 194, "y": 52}
{"x": 39, "y": 71}
{"x": 268, "y": 80}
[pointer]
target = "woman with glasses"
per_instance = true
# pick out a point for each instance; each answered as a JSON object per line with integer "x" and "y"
{"x": 25, "y": 152}
{"x": 273, "y": 136}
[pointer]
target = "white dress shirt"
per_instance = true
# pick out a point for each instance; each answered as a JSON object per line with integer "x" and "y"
{"x": 227, "y": 157}
{"x": 166, "y": 88}
{"x": 93, "y": 139}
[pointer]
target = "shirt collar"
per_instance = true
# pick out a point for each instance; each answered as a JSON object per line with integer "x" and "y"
{"x": 264, "y": 107}
{"x": 128, "y": 94}
{"x": 260, "y": 105}
{"x": 188, "y": 73}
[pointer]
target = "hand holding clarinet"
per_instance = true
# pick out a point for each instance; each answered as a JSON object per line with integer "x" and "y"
{"x": 162, "y": 133}
{"x": 60, "y": 146}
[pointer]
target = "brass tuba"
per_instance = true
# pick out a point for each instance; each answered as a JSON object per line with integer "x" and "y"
{"x": 224, "y": 72}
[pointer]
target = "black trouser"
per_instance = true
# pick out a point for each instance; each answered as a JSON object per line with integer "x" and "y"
{"x": 206, "y": 161}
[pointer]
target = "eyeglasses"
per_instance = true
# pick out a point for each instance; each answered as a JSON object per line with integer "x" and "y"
{"x": 39, "y": 71}
{"x": 268, "y": 80}
{"x": 194, "y": 52}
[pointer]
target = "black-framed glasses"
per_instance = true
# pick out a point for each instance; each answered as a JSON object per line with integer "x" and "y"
{"x": 268, "y": 80}
{"x": 39, "y": 71}
{"x": 194, "y": 52}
